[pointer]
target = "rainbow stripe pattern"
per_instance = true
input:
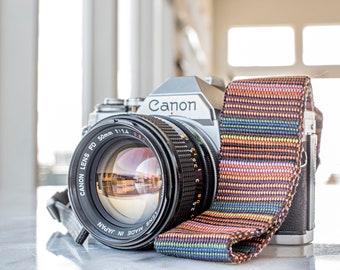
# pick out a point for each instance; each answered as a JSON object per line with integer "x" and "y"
{"x": 261, "y": 129}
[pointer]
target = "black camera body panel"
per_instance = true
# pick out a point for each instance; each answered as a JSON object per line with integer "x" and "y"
{"x": 298, "y": 226}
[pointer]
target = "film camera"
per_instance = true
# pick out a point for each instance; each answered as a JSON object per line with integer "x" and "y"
{"x": 144, "y": 166}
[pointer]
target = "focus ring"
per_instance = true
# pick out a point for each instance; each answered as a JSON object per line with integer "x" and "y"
{"x": 186, "y": 168}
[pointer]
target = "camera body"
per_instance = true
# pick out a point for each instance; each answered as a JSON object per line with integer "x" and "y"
{"x": 298, "y": 227}
{"x": 146, "y": 165}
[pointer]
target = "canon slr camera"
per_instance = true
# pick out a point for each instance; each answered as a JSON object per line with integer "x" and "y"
{"x": 144, "y": 166}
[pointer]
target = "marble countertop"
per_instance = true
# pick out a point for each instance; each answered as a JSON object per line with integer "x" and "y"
{"x": 33, "y": 240}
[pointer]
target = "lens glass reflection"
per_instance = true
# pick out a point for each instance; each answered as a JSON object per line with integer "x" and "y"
{"x": 129, "y": 182}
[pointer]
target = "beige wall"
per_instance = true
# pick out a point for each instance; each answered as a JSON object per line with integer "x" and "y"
{"x": 296, "y": 13}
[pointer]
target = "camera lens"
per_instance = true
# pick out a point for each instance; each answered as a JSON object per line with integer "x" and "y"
{"x": 133, "y": 176}
{"x": 129, "y": 182}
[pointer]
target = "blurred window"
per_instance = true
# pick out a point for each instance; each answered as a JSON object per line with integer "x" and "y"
{"x": 321, "y": 45}
{"x": 261, "y": 46}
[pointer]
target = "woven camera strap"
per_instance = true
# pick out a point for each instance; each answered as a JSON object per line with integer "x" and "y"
{"x": 261, "y": 130}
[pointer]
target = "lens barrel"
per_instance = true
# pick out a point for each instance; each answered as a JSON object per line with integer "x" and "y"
{"x": 133, "y": 176}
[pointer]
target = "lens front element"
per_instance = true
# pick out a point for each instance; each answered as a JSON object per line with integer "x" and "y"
{"x": 129, "y": 182}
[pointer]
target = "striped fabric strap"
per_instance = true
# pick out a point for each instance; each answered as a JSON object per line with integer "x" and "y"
{"x": 261, "y": 130}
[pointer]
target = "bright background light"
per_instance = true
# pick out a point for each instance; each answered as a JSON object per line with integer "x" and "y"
{"x": 321, "y": 45}
{"x": 261, "y": 46}
{"x": 59, "y": 78}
